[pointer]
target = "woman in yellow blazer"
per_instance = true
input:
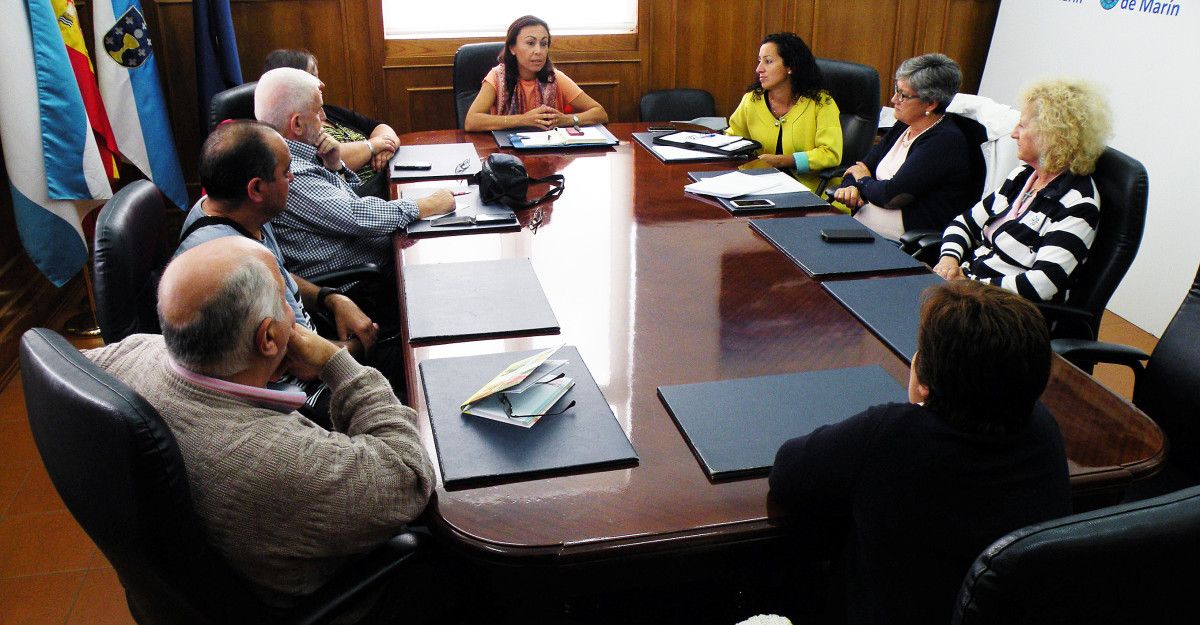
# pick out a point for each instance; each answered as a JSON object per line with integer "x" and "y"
{"x": 788, "y": 111}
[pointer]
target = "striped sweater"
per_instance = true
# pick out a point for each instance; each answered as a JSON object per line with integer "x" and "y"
{"x": 1036, "y": 254}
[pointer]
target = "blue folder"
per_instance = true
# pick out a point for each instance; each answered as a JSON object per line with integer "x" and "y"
{"x": 800, "y": 238}
{"x": 889, "y": 307}
{"x": 473, "y": 450}
{"x": 735, "y": 426}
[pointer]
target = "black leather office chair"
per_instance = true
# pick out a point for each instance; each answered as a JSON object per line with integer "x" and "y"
{"x": 855, "y": 88}
{"x": 234, "y": 103}
{"x": 1123, "y": 184}
{"x": 1134, "y": 563}
{"x": 471, "y": 63}
{"x": 676, "y": 105}
{"x": 130, "y": 249}
{"x": 116, "y": 465}
{"x": 1167, "y": 388}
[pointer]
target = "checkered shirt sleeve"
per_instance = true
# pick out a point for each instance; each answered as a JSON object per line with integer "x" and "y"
{"x": 327, "y": 226}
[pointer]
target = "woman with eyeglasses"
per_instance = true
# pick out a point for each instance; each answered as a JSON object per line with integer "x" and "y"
{"x": 919, "y": 176}
{"x": 524, "y": 89}
{"x": 788, "y": 111}
{"x": 1031, "y": 234}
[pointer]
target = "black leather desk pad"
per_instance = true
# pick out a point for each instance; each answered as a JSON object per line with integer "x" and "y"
{"x": 646, "y": 139}
{"x": 735, "y": 426}
{"x": 445, "y": 157}
{"x": 800, "y": 239}
{"x": 469, "y": 205}
{"x": 890, "y": 307}
{"x": 806, "y": 200}
{"x": 504, "y": 140}
{"x": 478, "y": 299}
{"x": 474, "y": 451}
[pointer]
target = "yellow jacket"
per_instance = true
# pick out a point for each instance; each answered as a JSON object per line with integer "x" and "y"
{"x": 812, "y": 132}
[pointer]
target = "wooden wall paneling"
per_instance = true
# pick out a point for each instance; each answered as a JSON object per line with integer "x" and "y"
{"x": 658, "y": 54}
{"x": 716, "y": 49}
{"x": 859, "y": 32}
{"x": 419, "y": 98}
{"x": 968, "y": 35}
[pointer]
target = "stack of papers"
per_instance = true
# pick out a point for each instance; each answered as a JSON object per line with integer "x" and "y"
{"x": 730, "y": 185}
{"x": 523, "y": 392}
{"x": 586, "y": 135}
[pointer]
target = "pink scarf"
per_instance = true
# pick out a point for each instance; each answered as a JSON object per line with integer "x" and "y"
{"x": 514, "y": 103}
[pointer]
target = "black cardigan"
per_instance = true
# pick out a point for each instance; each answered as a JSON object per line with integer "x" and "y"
{"x": 933, "y": 186}
{"x": 916, "y": 500}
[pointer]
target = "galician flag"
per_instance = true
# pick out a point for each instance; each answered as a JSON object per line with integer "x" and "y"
{"x": 54, "y": 166}
{"x": 133, "y": 96}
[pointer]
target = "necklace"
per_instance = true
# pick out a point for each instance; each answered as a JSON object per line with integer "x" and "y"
{"x": 906, "y": 140}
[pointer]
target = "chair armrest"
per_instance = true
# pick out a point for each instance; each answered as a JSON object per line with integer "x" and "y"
{"x": 1099, "y": 351}
{"x": 354, "y": 579}
{"x": 913, "y": 238}
{"x": 827, "y": 175}
{"x": 365, "y": 271}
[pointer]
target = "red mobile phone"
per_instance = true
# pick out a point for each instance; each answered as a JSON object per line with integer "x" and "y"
{"x": 574, "y": 132}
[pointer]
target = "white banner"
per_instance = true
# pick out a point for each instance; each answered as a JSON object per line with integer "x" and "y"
{"x": 1145, "y": 55}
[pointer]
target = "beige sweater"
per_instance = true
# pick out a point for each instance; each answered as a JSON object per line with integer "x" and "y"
{"x": 285, "y": 501}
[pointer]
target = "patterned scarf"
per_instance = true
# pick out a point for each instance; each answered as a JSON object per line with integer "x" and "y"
{"x": 514, "y": 103}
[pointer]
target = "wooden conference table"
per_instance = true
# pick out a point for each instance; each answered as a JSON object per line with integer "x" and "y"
{"x": 656, "y": 288}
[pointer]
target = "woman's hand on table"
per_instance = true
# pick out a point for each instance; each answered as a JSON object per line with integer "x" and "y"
{"x": 848, "y": 196}
{"x": 544, "y": 117}
{"x": 949, "y": 268}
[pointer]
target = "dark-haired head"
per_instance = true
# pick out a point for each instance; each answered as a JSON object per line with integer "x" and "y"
{"x": 805, "y": 77}
{"x": 983, "y": 354}
{"x": 235, "y": 153}
{"x": 511, "y": 70}
{"x": 297, "y": 59}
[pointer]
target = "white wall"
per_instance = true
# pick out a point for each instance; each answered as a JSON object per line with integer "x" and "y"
{"x": 1149, "y": 65}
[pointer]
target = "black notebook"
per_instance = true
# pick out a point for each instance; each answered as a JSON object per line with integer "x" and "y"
{"x": 470, "y": 215}
{"x": 505, "y": 139}
{"x": 779, "y": 201}
{"x": 473, "y": 450}
{"x": 473, "y": 300}
{"x": 889, "y": 307}
{"x": 800, "y": 238}
{"x": 446, "y": 160}
{"x": 667, "y": 154}
{"x": 735, "y": 426}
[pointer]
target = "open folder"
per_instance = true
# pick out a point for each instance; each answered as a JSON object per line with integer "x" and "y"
{"x": 523, "y": 392}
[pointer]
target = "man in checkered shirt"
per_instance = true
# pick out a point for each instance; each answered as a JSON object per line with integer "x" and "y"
{"x": 326, "y": 225}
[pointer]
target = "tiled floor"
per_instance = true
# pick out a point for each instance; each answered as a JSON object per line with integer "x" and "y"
{"x": 50, "y": 572}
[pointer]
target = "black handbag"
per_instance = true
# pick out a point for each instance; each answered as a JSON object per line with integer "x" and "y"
{"x": 503, "y": 179}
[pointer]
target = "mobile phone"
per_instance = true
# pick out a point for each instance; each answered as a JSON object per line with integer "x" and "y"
{"x": 847, "y": 235}
{"x": 455, "y": 220}
{"x": 489, "y": 218}
{"x": 760, "y": 203}
{"x": 573, "y": 131}
{"x": 660, "y": 128}
{"x": 412, "y": 165}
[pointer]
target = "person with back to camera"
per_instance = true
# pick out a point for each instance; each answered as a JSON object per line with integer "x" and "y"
{"x": 788, "y": 111}
{"x": 1031, "y": 234}
{"x": 525, "y": 90}
{"x": 912, "y": 492}
{"x": 919, "y": 175}
{"x": 366, "y": 145}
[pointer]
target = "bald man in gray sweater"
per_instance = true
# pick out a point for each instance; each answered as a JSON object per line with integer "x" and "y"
{"x": 284, "y": 501}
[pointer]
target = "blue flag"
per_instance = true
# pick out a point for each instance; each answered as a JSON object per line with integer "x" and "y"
{"x": 217, "y": 64}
